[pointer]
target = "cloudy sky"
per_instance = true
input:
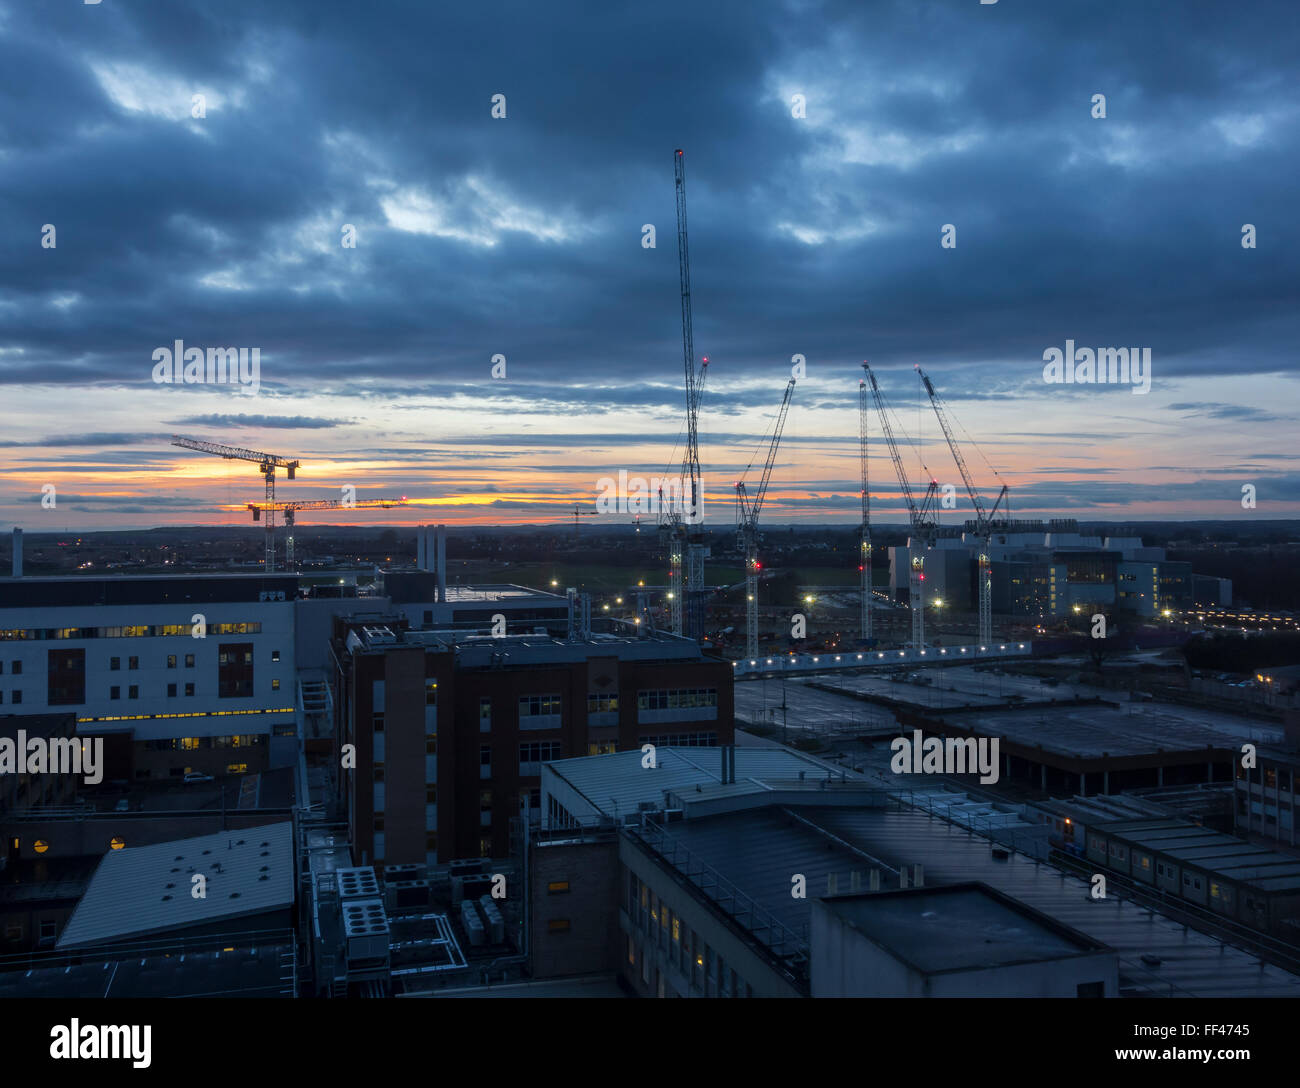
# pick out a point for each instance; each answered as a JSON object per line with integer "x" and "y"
{"x": 816, "y": 230}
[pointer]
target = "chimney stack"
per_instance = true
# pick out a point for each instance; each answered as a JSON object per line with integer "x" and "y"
{"x": 441, "y": 537}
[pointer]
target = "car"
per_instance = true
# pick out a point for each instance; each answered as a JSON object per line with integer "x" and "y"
{"x": 198, "y": 776}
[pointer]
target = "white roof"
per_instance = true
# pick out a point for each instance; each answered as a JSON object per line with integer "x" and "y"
{"x": 140, "y": 890}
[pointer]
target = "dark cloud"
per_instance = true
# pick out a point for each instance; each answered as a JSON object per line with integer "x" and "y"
{"x": 817, "y": 236}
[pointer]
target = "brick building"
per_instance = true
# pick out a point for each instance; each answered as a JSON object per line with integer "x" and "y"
{"x": 450, "y": 728}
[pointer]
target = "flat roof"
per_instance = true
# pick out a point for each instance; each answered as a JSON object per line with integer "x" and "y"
{"x": 475, "y": 650}
{"x": 135, "y": 589}
{"x": 617, "y": 783}
{"x": 1097, "y": 732}
{"x": 960, "y": 927}
{"x": 759, "y": 849}
{"x": 143, "y": 890}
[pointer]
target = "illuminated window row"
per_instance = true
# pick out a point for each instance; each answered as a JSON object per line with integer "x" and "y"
{"x": 189, "y": 714}
{"x": 164, "y": 630}
{"x": 677, "y": 699}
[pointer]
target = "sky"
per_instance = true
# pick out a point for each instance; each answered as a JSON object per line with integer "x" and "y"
{"x": 911, "y": 183}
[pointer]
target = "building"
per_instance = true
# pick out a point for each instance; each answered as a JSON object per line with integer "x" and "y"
{"x": 176, "y": 673}
{"x": 1043, "y": 572}
{"x": 449, "y": 728}
{"x": 1265, "y": 795}
{"x": 739, "y": 872}
{"x": 1238, "y": 880}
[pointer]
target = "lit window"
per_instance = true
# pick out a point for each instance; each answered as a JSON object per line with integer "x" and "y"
{"x": 116, "y": 842}
{"x": 557, "y": 887}
{"x": 40, "y": 846}
{"x": 558, "y": 925}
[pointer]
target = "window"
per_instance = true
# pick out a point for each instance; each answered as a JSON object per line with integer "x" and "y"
{"x": 114, "y": 663}
{"x": 557, "y": 887}
{"x": 539, "y": 706}
{"x": 115, "y": 692}
{"x": 236, "y": 768}
{"x": 66, "y": 677}
{"x": 275, "y": 655}
{"x": 431, "y": 693}
{"x": 171, "y": 691}
{"x": 558, "y": 925}
{"x": 133, "y": 692}
{"x": 485, "y": 713}
{"x": 17, "y": 670}
{"x": 485, "y": 761}
{"x": 16, "y": 697}
{"x": 275, "y": 684}
{"x": 602, "y": 749}
{"x": 431, "y": 745}
{"x": 132, "y": 662}
{"x": 189, "y": 688}
{"x": 377, "y": 723}
{"x": 430, "y": 794}
{"x": 532, "y": 756}
{"x": 171, "y": 661}
{"x": 379, "y": 823}
{"x": 379, "y": 772}
{"x": 235, "y": 670}
{"x": 602, "y": 704}
{"x": 677, "y": 699}
{"x": 189, "y": 661}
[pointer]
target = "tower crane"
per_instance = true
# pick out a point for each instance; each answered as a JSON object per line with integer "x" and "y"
{"x": 580, "y": 513}
{"x": 747, "y": 511}
{"x": 921, "y": 517}
{"x": 864, "y": 561}
{"x": 983, "y": 518}
{"x": 672, "y": 530}
{"x": 289, "y": 509}
{"x": 267, "y": 463}
{"x": 690, "y": 524}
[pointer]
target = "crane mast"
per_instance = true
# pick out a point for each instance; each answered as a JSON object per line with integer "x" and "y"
{"x": 691, "y": 533}
{"x": 983, "y": 518}
{"x": 920, "y": 516}
{"x": 864, "y": 560}
{"x": 747, "y": 512}
{"x": 267, "y": 463}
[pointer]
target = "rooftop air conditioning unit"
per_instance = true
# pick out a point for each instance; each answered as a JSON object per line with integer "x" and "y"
{"x": 365, "y": 929}
{"x": 358, "y": 883}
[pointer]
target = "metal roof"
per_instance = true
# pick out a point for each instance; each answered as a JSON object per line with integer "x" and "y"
{"x": 1211, "y": 851}
{"x": 759, "y": 851}
{"x": 147, "y": 889}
